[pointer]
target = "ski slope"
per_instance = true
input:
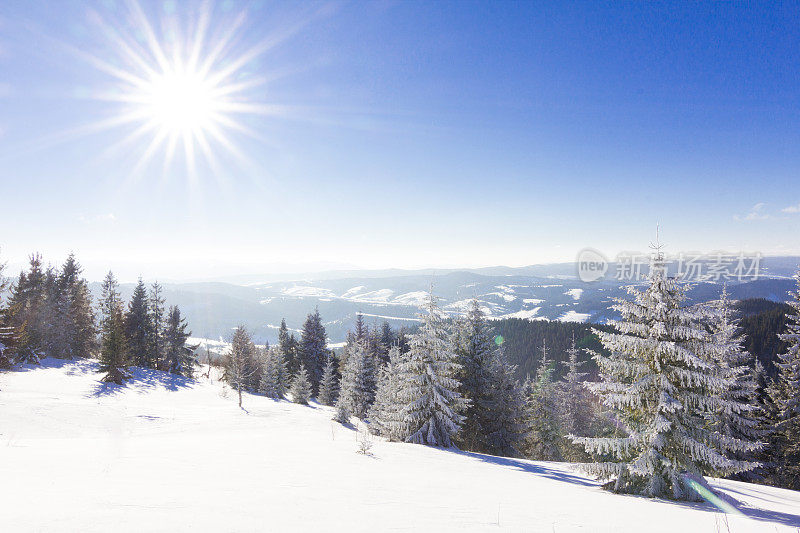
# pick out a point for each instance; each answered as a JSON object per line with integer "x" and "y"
{"x": 167, "y": 454}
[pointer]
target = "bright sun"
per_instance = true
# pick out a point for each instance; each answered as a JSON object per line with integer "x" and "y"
{"x": 180, "y": 102}
{"x": 180, "y": 87}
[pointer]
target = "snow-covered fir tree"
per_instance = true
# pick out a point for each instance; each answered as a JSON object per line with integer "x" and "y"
{"x": 385, "y": 342}
{"x": 239, "y": 361}
{"x": 74, "y": 291}
{"x": 313, "y": 348}
{"x": 474, "y": 347}
{"x": 430, "y": 394}
{"x": 355, "y": 389}
{"x": 155, "y": 356}
{"x": 6, "y": 332}
{"x": 785, "y": 397}
{"x": 329, "y": 385}
{"x": 113, "y": 350}
{"x": 505, "y": 430}
{"x": 289, "y": 348}
{"x": 274, "y": 375}
{"x": 737, "y": 416}
{"x": 477, "y": 353}
{"x": 138, "y": 328}
{"x": 575, "y": 411}
{"x": 301, "y": 386}
{"x": 387, "y": 414}
{"x": 24, "y": 313}
{"x": 178, "y": 356}
{"x": 662, "y": 387}
{"x": 544, "y": 433}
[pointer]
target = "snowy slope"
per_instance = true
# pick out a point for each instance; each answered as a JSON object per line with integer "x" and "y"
{"x": 165, "y": 454}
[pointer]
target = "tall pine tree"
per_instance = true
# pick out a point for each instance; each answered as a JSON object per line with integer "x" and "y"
{"x": 113, "y": 349}
{"x": 274, "y": 375}
{"x": 178, "y": 356}
{"x": 313, "y": 349}
{"x": 239, "y": 361}
{"x": 476, "y": 351}
{"x": 155, "y": 303}
{"x": 544, "y": 433}
{"x": 430, "y": 394}
{"x": 139, "y": 329}
{"x": 387, "y": 415}
{"x": 785, "y": 396}
{"x": 329, "y": 385}
{"x": 662, "y": 386}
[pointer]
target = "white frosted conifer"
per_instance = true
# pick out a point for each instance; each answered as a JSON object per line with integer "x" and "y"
{"x": 661, "y": 385}
{"x": 387, "y": 414}
{"x": 430, "y": 391}
{"x": 328, "y": 385}
{"x": 301, "y": 386}
{"x": 785, "y": 397}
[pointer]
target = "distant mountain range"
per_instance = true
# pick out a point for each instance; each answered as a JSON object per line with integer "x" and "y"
{"x": 538, "y": 292}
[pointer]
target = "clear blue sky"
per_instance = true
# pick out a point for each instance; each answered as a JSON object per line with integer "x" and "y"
{"x": 409, "y": 134}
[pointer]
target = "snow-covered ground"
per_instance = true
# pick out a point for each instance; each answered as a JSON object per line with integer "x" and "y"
{"x": 167, "y": 454}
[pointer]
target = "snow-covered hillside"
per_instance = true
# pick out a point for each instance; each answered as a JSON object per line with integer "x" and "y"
{"x": 167, "y": 454}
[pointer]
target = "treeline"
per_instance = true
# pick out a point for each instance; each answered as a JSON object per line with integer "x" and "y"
{"x": 672, "y": 393}
{"x": 761, "y": 321}
{"x": 49, "y": 313}
{"x": 522, "y": 341}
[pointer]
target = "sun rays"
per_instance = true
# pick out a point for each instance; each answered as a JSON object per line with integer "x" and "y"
{"x": 180, "y": 89}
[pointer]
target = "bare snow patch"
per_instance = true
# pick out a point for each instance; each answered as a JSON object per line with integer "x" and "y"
{"x": 416, "y": 298}
{"x": 573, "y": 316}
{"x": 307, "y": 291}
{"x": 575, "y": 293}
{"x": 527, "y": 314}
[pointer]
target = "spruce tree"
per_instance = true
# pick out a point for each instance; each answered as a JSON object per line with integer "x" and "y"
{"x": 113, "y": 350}
{"x": 138, "y": 327}
{"x": 476, "y": 351}
{"x": 355, "y": 392}
{"x": 54, "y": 316}
{"x": 6, "y": 332}
{"x": 387, "y": 413}
{"x": 238, "y": 361}
{"x": 430, "y": 394}
{"x": 301, "y": 386}
{"x": 288, "y": 346}
{"x": 156, "y": 304}
{"x": 505, "y": 430}
{"x": 662, "y": 386}
{"x": 575, "y": 412}
{"x": 24, "y": 313}
{"x": 178, "y": 356}
{"x": 274, "y": 375}
{"x": 77, "y": 302}
{"x": 328, "y": 386}
{"x": 544, "y": 433}
{"x": 737, "y": 418}
{"x": 785, "y": 396}
{"x": 386, "y": 341}
{"x": 313, "y": 348}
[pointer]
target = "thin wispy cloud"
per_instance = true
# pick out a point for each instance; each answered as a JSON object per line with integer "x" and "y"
{"x": 755, "y": 213}
{"x": 98, "y": 219}
{"x": 791, "y": 209}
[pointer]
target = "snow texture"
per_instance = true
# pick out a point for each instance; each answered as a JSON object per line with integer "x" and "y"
{"x": 164, "y": 453}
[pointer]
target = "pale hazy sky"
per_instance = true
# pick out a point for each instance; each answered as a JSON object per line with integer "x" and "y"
{"x": 394, "y": 134}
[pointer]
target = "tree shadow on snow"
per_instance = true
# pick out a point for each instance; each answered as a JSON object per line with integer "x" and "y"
{"x": 77, "y": 366}
{"x": 151, "y": 379}
{"x": 141, "y": 380}
{"x": 101, "y": 389}
{"x": 532, "y": 468}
